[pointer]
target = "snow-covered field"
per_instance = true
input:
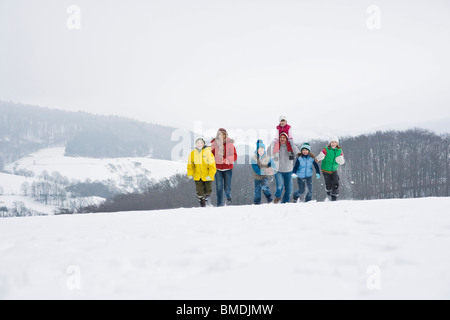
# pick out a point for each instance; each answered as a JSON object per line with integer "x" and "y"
{"x": 10, "y": 185}
{"x": 393, "y": 249}
{"x": 123, "y": 173}
{"x": 79, "y": 168}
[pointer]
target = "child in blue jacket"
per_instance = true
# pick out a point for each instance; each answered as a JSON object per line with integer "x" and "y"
{"x": 263, "y": 168}
{"x": 303, "y": 171}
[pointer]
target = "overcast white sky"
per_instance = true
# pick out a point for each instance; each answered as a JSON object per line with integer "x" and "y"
{"x": 231, "y": 63}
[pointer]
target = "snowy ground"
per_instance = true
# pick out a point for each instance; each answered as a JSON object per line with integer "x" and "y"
{"x": 79, "y": 168}
{"x": 10, "y": 186}
{"x": 350, "y": 249}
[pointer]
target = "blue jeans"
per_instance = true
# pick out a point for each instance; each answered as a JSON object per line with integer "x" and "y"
{"x": 223, "y": 183}
{"x": 262, "y": 185}
{"x": 302, "y": 183}
{"x": 284, "y": 181}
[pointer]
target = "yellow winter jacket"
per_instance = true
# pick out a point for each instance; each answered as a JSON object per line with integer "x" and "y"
{"x": 201, "y": 164}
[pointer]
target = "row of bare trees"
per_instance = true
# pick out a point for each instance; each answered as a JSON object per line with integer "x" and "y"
{"x": 18, "y": 209}
{"x": 409, "y": 164}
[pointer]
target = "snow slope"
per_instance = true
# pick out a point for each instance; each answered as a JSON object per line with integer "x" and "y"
{"x": 79, "y": 168}
{"x": 10, "y": 183}
{"x": 10, "y": 186}
{"x": 295, "y": 251}
{"x": 124, "y": 173}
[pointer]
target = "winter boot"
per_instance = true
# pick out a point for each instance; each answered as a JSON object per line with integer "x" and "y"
{"x": 229, "y": 202}
{"x": 207, "y": 202}
{"x": 277, "y": 200}
{"x": 203, "y": 202}
{"x": 328, "y": 198}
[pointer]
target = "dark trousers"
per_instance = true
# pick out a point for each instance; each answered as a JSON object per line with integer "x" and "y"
{"x": 262, "y": 185}
{"x": 204, "y": 189}
{"x": 302, "y": 184}
{"x": 223, "y": 183}
{"x": 332, "y": 184}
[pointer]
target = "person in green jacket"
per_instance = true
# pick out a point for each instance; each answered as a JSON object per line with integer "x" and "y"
{"x": 331, "y": 157}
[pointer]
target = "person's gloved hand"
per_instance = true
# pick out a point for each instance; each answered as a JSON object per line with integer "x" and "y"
{"x": 340, "y": 160}
{"x": 208, "y": 178}
{"x": 317, "y": 176}
{"x": 191, "y": 177}
{"x": 294, "y": 176}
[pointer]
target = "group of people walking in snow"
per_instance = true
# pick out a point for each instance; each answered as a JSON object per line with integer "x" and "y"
{"x": 283, "y": 159}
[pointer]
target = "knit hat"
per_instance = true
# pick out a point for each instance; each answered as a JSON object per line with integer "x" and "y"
{"x": 200, "y": 138}
{"x": 334, "y": 139}
{"x": 223, "y": 131}
{"x": 260, "y": 144}
{"x": 283, "y": 118}
{"x": 284, "y": 134}
{"x": 306, "y": 146}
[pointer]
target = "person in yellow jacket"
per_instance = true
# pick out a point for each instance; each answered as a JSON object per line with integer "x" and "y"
{"x": 202, "y": 168}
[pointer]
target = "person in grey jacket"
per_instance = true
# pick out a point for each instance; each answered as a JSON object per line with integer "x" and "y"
{"x": 283, "y": 153}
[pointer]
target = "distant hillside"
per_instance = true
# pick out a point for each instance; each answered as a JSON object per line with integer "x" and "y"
{"x": 25, "y": 129}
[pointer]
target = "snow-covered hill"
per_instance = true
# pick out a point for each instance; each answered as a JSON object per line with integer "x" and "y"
{"x": 350, "y": 249}
{"x": 78, "y": 168}
{"x": 11, "y": 194}
{"x": 123, "y": 174}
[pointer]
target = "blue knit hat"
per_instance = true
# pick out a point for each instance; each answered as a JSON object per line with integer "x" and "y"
{"x": 260, "y": 144}
{"x": 306, "y": 146}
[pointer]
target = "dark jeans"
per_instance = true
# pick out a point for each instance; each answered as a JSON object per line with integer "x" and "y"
{"x": 332, "y": 184}
{"x": 284, "y": 181}
{"x": 262, "y": 185}
{"x": 223, "y": 183}
{"x": 302, "y": 184}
